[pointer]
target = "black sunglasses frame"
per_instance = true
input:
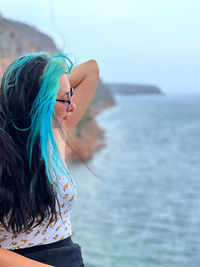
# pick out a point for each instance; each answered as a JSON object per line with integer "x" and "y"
{"x": 68, "y": 101}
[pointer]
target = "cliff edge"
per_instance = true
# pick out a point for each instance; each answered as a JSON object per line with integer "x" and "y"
{"x": 17, "y": 39}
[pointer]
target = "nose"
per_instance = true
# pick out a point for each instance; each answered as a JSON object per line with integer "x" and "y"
{"x": 73, "y": 107}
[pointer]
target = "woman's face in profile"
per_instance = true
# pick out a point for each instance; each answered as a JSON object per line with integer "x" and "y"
{"x": 61, "y": 109}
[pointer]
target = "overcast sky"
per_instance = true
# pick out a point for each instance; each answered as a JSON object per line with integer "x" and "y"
{"x": 154, "y": 42}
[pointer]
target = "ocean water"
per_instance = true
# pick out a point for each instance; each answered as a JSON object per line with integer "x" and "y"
{"x": 144, "y": 211}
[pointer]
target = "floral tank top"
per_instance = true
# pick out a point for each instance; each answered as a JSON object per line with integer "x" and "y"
{"x": 42, "y": 234}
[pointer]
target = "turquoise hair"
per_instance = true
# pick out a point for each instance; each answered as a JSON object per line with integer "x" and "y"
{"x": 42, "y": 110}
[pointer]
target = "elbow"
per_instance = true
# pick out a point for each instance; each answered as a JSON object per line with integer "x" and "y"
{"x": 94, "y": 66}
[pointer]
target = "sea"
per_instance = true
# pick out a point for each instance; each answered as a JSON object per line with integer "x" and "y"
{"x": 142, "y": 208}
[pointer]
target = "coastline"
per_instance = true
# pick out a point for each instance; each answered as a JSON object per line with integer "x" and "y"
{"x": 89, "y": 140}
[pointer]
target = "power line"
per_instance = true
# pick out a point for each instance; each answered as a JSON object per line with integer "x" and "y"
{"x": 53, "y": 22}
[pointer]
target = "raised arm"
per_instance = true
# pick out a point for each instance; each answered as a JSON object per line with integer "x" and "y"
{"x": 84, "y": 79}
{"x": 10, "y": 259}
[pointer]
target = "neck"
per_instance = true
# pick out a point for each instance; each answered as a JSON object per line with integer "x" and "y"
{"x": 60, "y": 142}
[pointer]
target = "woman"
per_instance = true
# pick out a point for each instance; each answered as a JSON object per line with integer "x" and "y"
{"x": 42, "y": 100}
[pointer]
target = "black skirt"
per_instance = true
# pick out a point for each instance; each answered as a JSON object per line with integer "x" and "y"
{"x": 62, "y": 253}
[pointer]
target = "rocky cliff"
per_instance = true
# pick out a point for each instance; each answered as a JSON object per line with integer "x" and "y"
{"x": 87, "y": 137}
{"x": 16, "y": 39}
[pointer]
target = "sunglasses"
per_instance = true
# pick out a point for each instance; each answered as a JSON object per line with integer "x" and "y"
{"x": 68, "y": 101}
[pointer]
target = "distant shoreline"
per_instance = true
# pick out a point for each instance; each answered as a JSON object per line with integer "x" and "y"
{"x": 135, "y": 89}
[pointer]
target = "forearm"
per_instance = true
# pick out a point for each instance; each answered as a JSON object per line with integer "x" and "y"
{"x": 79, "y": 73}
{"x": 84, "y": 79}
{"x": 10, "y": 259}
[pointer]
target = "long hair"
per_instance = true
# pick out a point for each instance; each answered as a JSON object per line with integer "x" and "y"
{"x": 29, "y": 156}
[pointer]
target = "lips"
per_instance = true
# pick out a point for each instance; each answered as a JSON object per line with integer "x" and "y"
{"x": 67, "y": 116}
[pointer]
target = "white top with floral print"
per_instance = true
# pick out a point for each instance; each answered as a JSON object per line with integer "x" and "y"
{"x": 42, "y": 234}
